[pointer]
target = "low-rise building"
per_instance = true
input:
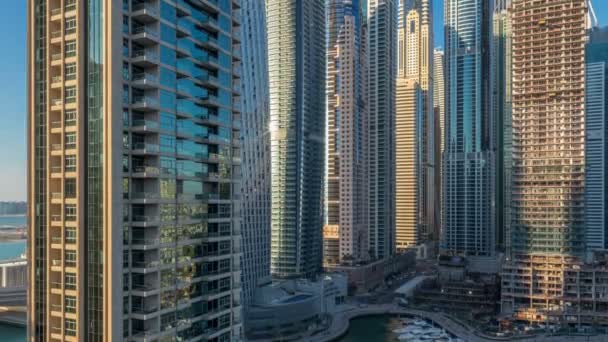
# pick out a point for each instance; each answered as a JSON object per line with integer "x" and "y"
{"x": 292, "y": 309}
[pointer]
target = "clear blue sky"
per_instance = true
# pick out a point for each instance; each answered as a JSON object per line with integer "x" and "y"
{"x": 12, "y": 89}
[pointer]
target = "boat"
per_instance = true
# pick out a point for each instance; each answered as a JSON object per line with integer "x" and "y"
{"x": 406, "y": 337}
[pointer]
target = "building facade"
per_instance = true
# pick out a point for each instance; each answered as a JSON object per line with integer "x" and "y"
{"x": 501, "y": 109}
{"x": 255, "y": 197}
{"x": 439, "y": 94}
{"x": 134, "y": 170}
{"x": 409, "y": 192}
{"x": 296, "y": 65}
{"x": 415, "y": 70}
{"x": 346, "y": 151}
{"x": 382, "y": 61}
{"x": 547, "y": 231}
{"x": 596, "y": 143}
{"x": 468, "y": 159}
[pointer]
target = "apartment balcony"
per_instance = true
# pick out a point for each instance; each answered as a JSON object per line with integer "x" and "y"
{"x": 145, "y": 148}
{"x": 145, "y": 12}
{"x": 144, "y": 289}
{"x": 145, "y": 244}
{"x": 145, "y": 172}
{"x": 145, "y": 35}
{"x": 145, "y": 103}
{"x": 145, "y": 197}
{"x": 145, "y": 266}
{"x": 144, "y": 81}
{"x": 145, "y": 221}
{"x": 56, "y": 104}
{"x": 144, "y": 58}
{"x": 145, "y": 126}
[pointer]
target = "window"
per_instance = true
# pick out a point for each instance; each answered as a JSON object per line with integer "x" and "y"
{"x": 70, "y": 281}
{"x": 70, "y": 212}
{"x": 70, "y": 140}
{"x": 70, "y": 188}
{"x": 70, "y": 25}
{"x": 70, "y": 94}
{"x": 70, "y": 117}
{"x": 70, "y": 163}
{"x": 70, "y": 235}
{"x": 70, "y": 71}
{"x": 70, "y": 5}
{"x": 70, "y": 304}
{"x": 70, "y": 327}
{"x": 70, "y": 48}
{"x": 70, "y": 258}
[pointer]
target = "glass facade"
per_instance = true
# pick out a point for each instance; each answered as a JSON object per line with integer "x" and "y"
{"x": 255, "y": 149}
{"x": 382, "y": 54}
{"x": 596, "y": 161}
{"x": 468, "y": 170}
{"x": 156, "y": 142}
{"x": 296, "y": 64}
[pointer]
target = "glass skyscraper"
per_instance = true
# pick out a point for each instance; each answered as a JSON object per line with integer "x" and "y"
{"x": 255, "y": 148}
{"x": 596, "y": 140}
{"x": 296, "y": 64}
{"x": 382, "y": 54}
{"x": 468, "y": 160}
{"x": 134, "y": 170}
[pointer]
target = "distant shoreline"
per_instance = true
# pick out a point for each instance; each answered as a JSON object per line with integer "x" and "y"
{"x": 12, "y": 215}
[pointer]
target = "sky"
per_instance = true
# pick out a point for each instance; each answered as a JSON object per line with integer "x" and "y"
{"x": 13, "y": 27}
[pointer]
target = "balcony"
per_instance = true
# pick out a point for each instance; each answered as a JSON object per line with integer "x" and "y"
{"x": 145, "y": 171}
{"x": 144, "y": 58}
{"x": 145, "y": 148}
{"x": 145, "y": 220}
{"x": 144, "y": 126}
{"x": 145, "y": 12}
{"x": 144, "y": 80}
{"x": 145, "y": 103}
{"x": 144, "y": 35}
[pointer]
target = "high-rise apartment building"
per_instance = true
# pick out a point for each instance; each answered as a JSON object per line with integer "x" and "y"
{"x": 439, "y": 94}
{"x": 382, "y": 58}
{"x": 296, "y": 65}
{"x": 134, "y": 170}
{"x": 596, "y": 140}
{"x": 255, "y": 149}
{"x": 547, "y": 234}
{"x": 468, "y": 159}
{"x": 408, "y": 163}
{"x": 501, "y": 111}
{"x": 346, "y": 157}
{"x": 415, "y": 128}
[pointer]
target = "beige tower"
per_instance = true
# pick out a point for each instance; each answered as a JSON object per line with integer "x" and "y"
{"x": 416, "y": 198}
{"x": 133, "y": 170}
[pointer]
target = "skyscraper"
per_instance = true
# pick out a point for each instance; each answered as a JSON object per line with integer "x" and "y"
{"x": 133, "y": 170}
{"x": 415, "y": 127}
{"x": 439, "y": 93}
{"x": 408, "y": 163}
{"x": 296, "y": 64}
{"x": 548, "y": 188}
{"x": 255, "y": 197}
{"x": 346, "y": 168}
{"x": 596, "y": 140}
{"x": 501, "y": 109}
{"x": 468, "y": 169}
{"x": 382, "y": 54}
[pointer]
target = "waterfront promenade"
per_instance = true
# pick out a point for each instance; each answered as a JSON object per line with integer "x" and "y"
{"x": 341, "y": 321}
